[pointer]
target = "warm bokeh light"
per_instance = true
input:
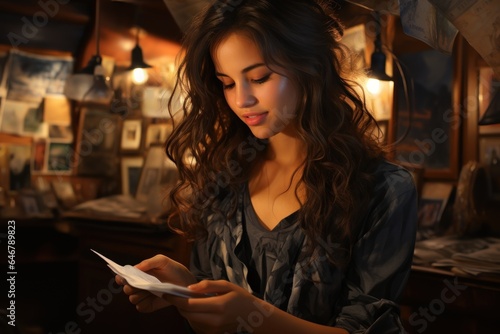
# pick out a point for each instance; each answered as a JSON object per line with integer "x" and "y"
{"x": 373, "y": 86}
{"x": 139, "y": 76}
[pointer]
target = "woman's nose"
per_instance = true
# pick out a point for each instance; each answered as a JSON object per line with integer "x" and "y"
{"x": 244, "y": 96}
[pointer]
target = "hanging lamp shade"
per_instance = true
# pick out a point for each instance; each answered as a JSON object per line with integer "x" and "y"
{"x": 378, "y": 58}
{"x": 377, "y": 66}
{"x": 492, "y": 113}
{"x": 137, "y": 59}
{"x": 90, "y": 84}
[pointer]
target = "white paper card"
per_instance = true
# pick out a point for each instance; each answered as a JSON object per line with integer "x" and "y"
{"x": 141, "y": 280}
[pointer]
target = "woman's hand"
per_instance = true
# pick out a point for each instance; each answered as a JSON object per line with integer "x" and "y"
{"x": 166, "y": 270}
{"x": 233, "y": 309}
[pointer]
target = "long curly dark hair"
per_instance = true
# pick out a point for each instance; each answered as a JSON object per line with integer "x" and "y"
{"x": 302, "y": 36}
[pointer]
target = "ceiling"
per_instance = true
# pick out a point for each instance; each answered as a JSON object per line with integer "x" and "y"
{"x": 68, "y": 26}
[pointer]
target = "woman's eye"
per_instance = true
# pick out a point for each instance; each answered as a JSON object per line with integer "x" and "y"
{"x": 227, "y": 86}
{"x": 263, "y": 79}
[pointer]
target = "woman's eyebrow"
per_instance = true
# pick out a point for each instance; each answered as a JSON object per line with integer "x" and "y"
{"x": 245, "y": 70}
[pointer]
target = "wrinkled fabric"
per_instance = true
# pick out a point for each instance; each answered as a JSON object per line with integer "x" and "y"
{"x": 363, "y": 297}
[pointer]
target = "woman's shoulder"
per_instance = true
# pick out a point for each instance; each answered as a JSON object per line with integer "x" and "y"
{"x": 392, "y": 180}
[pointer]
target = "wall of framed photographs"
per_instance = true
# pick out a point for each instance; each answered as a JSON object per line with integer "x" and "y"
{"x": 49, "y": 144}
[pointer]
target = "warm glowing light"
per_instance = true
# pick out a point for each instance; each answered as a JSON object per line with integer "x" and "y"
{"x": 139, "y": 76}
{"x": 373, "y": 86}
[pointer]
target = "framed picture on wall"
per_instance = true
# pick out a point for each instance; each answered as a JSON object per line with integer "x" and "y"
{"x": 486, "y": 89}
{"x": 131, "y": 134}
{"x": 158, "y": 172}
{"x": 39, "y": 154}
{"x": 430, "y": 121}
{"x": 131, "y": 172}
{"x": 97, "y": 141}
{"x": 59, "y": 158}
{"x": 489, "y": 149}
{"x": 157, "y": 134}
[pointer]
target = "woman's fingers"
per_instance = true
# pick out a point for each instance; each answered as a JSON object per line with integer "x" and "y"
{"x": 143, "y": 300}
{"x": 212, "y": 287}
{"x": 119, "y": 280}
{"x": 155, "y": 262}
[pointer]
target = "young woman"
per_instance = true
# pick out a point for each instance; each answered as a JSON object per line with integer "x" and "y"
{"x": 299, "y": 224}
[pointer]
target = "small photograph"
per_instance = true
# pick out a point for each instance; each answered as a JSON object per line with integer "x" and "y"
{"x": 150, "y": 177}
{"x": 30, "y": 76}
{"x": 131, "y": 134}
{"x": 155, "y": 102}
{"x": 56, "y": 110}
{"x": 59, "y": 158}
{"x": 38, "y": 163}
{"x": 157, "y": 173}
{"x": 131, "y": 173}
{"x": 21, "y": 117}
{"x": 429, "y": 213}
{"x": 157, "y": 134}
{"x": 489, "y": 149}
{"x": 19, "y": 166}
{"x": 62, "y": 133}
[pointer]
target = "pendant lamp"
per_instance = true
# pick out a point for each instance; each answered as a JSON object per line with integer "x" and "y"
{"x": 378, "y": 58}
{"x": 90, "y": 85}
{"x": 137, "y": 65}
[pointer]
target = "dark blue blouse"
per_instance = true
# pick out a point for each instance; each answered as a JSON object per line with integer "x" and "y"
{"x": 363, "y": 297}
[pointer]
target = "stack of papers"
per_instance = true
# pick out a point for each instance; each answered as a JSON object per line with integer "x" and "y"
{"x": 474, "y": 256}
{"x": 141, "y": 280}
{"x": 116, "y": 205}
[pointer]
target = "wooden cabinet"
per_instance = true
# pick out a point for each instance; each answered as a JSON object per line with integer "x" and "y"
{"x": 102, "y": 307}
{"x": 437, "y": 301}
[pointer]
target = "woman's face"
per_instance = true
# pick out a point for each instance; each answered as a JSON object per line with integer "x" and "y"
{"x": 263, "y": 99}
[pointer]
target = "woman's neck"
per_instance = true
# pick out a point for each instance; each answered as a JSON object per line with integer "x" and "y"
{"x": 286, "y": 150}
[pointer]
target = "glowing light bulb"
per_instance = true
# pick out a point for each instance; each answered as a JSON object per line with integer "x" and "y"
{"x": 373, "y": 86}
{"x": 139, "y": 76}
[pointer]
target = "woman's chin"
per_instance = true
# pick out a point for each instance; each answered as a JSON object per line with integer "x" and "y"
{"x": 262, "y": 134}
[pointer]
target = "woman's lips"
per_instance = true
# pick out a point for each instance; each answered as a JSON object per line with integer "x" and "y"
{"x": 253, "y": 119}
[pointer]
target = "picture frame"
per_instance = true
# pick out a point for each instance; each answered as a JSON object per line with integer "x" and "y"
{"x": 39, "y": 156}
{"x": 59, "y": 158}
{"x": 131, "y": 135}
{"x": 61, "y": 132}
{"x": 488, "y": 144}
{"x": 486, "y": 90}
{"x": 19, "y": 166}
{"x": 157, "y": 172}
{"x": 432, "y": 204}
{"x": 25, "y": 81}
{"x": 21, "y": 118}
{"x": 97, "y": 141}
{"x": 131, "y": 168}
{"x": 430, "y": 212}
{"x": 157, "y": 134}
{"x": 432, "y": 139}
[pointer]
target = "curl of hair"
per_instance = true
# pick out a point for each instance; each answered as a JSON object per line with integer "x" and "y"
{"x": 302, "y": 36}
